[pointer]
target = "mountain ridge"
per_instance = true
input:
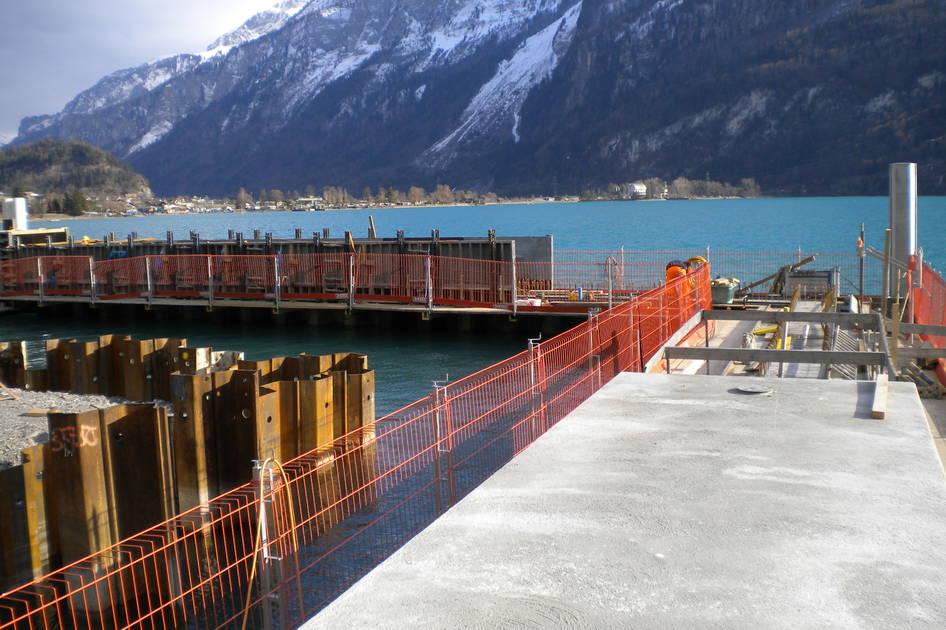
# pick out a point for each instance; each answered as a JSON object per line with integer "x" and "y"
{"x": 520, "y": 96}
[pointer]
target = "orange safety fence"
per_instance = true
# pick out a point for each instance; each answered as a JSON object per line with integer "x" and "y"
{"x": 274, "y": 552}
{"x": 244, "y": 277}
{"x": 929, "y": 303}
{"x": 20, "y": 276}
{"x": 179, "y": 276}
{"x": 315, "y": 276}
{"x": 121, "y": 278}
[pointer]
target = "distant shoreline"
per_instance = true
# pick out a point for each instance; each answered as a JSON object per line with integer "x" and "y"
{"x": 511, "y": 202}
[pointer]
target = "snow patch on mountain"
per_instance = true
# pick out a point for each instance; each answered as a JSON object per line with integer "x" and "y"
{"x": 261, "y": 24}
{"x": 479, "y": 19}
{"x": 499, "y": 101}
{"x": 154, "y": 134}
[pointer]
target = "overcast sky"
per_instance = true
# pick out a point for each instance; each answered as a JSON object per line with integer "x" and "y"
{"x": 50, "y": 50}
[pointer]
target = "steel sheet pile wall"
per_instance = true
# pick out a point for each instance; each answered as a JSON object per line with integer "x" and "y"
{"x": 278, "y": 551}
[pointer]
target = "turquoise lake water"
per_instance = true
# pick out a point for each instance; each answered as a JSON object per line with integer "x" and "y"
{"x": 406, "y": 361}
{"x": 817, "y": 223}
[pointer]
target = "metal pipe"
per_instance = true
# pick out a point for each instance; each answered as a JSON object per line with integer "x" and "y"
{"x": 861, "y": 255}
{"x": 885, "y": 289}
{"x": 903, "y": 211}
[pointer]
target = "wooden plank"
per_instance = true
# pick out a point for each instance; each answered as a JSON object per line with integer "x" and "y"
{"x": 878, "y": 408}
{"x": 135, "y": 470}
{"x": 788, "y": 356}
{"x": 195, "y": 460}
{"x": 81, "y": 499}
{"x": 41, "y": 518}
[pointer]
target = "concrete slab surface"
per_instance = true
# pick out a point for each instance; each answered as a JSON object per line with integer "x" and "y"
{"x": 678, "y": 502}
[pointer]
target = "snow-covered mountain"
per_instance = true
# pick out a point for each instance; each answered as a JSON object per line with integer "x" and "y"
{"x": 512, "y": 94}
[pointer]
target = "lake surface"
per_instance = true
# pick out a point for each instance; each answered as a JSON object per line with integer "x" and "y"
{"x": 407, "y": 361}
{"x": 815, "y": 223}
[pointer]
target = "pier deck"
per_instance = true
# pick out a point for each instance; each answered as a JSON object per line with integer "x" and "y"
{"x": 675, "y": 501}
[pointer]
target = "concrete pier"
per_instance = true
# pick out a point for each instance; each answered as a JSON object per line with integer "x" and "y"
{"x": 679, "y": 502}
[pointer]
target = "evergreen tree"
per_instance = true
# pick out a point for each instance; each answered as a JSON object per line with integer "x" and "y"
{"x": 75, "y": 203}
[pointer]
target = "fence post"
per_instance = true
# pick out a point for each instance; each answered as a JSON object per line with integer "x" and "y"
{"x": 210, "y": 283}
{"x": 534, "y": 349}
{"x": 429, "y": 284}
{"x": 149, "y": 282}
{"x": 443, "y": 439}
{"x": 610, "y": 284}
{"x": 91, "y": 279}
{"x": 42, "y": 280}
{"x": 351, "y": 281}
{"x": 515, "y": 287}
{"x": 265, "y": 581}
{"x": 276, "y": 281}
{"x": 623, "y": 270}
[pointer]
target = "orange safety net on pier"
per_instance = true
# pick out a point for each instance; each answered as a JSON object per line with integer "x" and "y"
{"x": 929, "y": 307}
{"x": 336, "y": 512}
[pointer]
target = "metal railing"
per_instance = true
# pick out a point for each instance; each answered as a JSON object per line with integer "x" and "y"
{"x": 272, "y": 553}
{"x": 645, "y": 268}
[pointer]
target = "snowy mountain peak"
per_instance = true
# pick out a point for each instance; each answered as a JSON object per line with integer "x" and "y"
{"x": 259, "y": 25}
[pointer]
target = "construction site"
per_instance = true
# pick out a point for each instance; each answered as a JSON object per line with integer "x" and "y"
{"x": 691, "y": 450}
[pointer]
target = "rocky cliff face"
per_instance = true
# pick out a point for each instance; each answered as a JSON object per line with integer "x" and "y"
{"x": 811, "y": 96}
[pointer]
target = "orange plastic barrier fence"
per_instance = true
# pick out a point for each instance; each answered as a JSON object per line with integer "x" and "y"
{"x": 179, "y": 276}
{"x": 929, "y": 303}
{"x": 121, "y": 278}
{"x": 275, "y": 553}
{"x": 20, "y": 277}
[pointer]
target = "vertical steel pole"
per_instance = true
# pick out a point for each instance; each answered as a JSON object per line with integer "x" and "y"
{"x": 210, "y": 283}
{"x": 438, "y": 437}
{"x": 276, "y": 281}
{"x": 265, "y": 582}
{"x": 885, "y": 290}
{"x": 429, "y": 282}
{"x": 861, "y": 253}
{"x": 42, "y": 279}
{"x": 91, "y": 279}
{"x": 610, "y": 285}
{"x": 351, "y": 281}
{"x": 149, "y": 283}
{"x": 903, "y": 211}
